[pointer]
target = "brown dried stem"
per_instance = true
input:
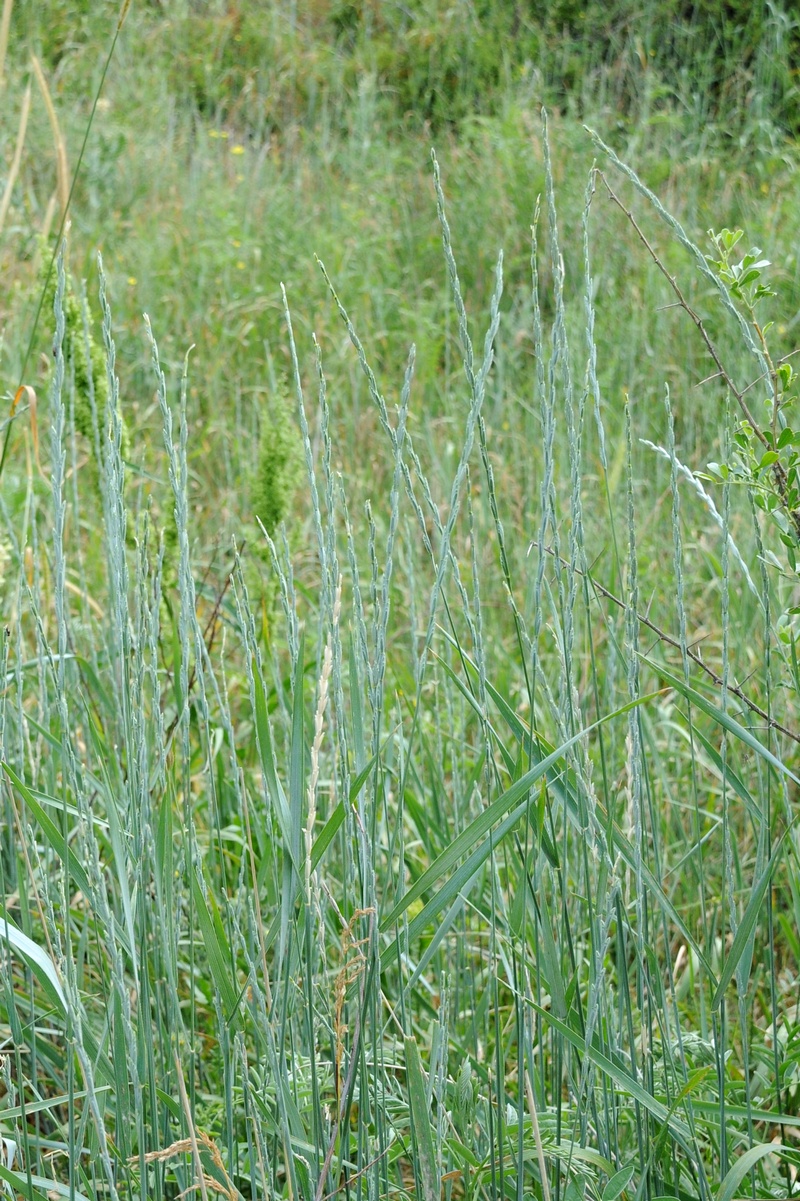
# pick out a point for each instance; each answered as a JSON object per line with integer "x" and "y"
{"x": 5, "y": 25}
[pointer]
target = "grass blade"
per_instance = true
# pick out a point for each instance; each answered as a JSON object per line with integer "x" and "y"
{"x": 217, "y": 950}
{"x": 37, "y": 960}
{"x": 421, "y": 1122}
{"x": 744, "y": 1164}
{"x": 748, "y": 924}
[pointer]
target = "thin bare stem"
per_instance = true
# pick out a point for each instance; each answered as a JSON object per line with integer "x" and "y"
{"x": 5, "y": 25}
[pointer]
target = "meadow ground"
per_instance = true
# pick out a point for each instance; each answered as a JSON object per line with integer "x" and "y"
{"x": 399, "y": 719}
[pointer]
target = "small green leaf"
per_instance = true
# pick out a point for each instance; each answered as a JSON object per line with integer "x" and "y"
{"x": 749, "y": 277}
{"x": 618, "y": 1182}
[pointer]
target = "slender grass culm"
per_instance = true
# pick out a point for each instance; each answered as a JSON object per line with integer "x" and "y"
{"x": 442, "y": 864}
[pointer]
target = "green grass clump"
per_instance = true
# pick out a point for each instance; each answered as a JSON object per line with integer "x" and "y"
{"x": 414, "y": 891}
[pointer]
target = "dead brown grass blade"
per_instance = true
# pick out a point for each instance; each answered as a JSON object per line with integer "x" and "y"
{"x": 5, "y": 26}
{"x": 24, "y": 391}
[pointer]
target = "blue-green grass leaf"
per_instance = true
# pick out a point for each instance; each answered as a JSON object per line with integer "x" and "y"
{"x": 745, "y": 1164}
{"x": 621, "y": 1078}
{"x": 492, "y": 814}
{"x": 217, "y": 950}
{"x": 420, "y": 1117}
{"x": 37, "y": 960}
{"x": 747, "y": 925}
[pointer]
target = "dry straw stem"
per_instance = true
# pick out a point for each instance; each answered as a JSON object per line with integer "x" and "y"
{"x": 192, "y": 1139}
{"x": 187, "y": 1146}
{"x": 537, "y": 1137}
{"x": 76, "y": 590}
{"x": 5, "y": 203}
{"x": 778, "y": 473}
{"x": 355, "y": 1052}
{"x": 62, "y": 169}
{"x": 5, "y": 25}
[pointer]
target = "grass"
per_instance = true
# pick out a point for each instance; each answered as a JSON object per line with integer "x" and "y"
{"x": 440, "y": 841}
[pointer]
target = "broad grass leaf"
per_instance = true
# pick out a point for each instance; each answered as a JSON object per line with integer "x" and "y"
{"x": 420, "y": 1118}
{"x": 264, "y": 740}
{"x": 17, "y": 1111}
{"x": 336, "y": 819}
{"x": 744, "y": 1164}
{"x": 467, "y": 840}
{"x": 618, "y": 1074}
{"x": 19, "y": 1183}
{"x": 53, "y": 835}
{"x": 727, "y": 773}
{"x": 37, "y": 960}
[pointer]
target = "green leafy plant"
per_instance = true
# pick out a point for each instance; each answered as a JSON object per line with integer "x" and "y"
{"x": 766, "y": 454}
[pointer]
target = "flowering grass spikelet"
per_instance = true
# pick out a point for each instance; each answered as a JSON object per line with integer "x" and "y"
{"x": 278, "y": 469}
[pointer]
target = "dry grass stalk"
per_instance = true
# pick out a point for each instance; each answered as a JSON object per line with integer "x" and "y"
{"x": 192, "y": 1139}
{"x": 25, "y": 392}
{"x": 187, "y": 1146}
{"x": 5, "y": 25}
{"x": 5, "y": 203}
{"x": 62, "y": 168}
